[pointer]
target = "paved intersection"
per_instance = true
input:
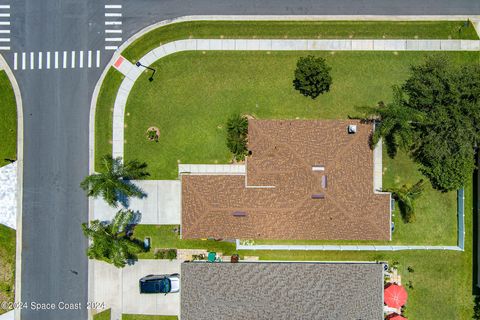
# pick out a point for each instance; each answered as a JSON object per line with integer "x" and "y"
{"x": 56, "y": 113}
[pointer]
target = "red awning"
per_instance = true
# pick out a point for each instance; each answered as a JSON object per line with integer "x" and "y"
{"x": 395, "y": 316}
{"x": 395, "y": 295}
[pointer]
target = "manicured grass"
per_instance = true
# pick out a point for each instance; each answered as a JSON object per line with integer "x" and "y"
{"x": 147, "y": 317}
{"x": 104, "y": 115}
{"x": 104, "y": 315}
{"x": 8, "y": 125}
{"x": 193, "y": 95}
{"x": 164, "y": 236}
{"x": 300, "y": 29}
{"x": 7, "y": 265}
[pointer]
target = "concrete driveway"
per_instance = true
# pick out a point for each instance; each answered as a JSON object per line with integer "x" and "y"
{"x": 118, "y": 288}
{"x": 160, "y": 206}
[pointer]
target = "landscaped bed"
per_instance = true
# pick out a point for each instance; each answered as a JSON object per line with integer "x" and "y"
{"x": 300, "y": 30}
{"x": 8, "y": 125}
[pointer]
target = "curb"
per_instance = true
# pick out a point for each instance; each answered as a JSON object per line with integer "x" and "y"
{"x": 18, "y": 255}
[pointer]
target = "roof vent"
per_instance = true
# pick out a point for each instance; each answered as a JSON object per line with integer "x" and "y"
{"x": 352, "y": 128}
{"x": 318, "y": 196}
{"x": 239, "y": 214}
{"x": 318, "y": 167}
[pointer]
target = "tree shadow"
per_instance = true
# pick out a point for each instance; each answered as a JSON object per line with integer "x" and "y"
{"x": 124, "y": 199}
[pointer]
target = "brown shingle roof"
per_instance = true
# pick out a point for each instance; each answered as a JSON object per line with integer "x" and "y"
{"x": 276, "y": 193}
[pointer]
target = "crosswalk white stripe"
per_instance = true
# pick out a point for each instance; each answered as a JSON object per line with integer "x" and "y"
{"x": 48, "y": 59}
{"x": 73, "y": 59}
{"x": 32, "y": 61}
{"x": 111, "y": 47}
{"x": 5, "y": 6}
{"x": 40, "y": 60}
{"x": 89, "y": 63}
{"x": 5, "y": 48}
{"x": 64, "y": 59}
{"x": 113, "y": 23}
{"x": 23, "y": 60}
{"x": 113, "y": 39}
{"x": 113, "y": 14}
{"x": 4, "y": 23}
{"x": 56, "y": 59}
{"x": 4, "y": 15}
{"x": 98, "y": 58}
{"x": 15, "y": 61}
{"x": 4, "y": 39}
{"x": 113, "y": 31}
{"x": 4, "y": 31}
{"x": 113, "y": 6}
{"x": 81, "y": 59}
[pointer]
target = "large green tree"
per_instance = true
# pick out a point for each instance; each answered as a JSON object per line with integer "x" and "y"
{"x": 110, "y": 242}
{"x": 312, "y": 76}
{"x": 113, "y": 182}
{"x": 437, "y": 119}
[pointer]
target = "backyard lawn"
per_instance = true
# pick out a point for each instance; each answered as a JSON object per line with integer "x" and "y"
{"x": 8, "y": 125}
{"x": 300, "y": 30}
{"x": 7, "y": 265}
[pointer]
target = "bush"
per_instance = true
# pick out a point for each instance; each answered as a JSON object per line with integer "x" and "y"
{"x": 169, "y": 254}
{"x": 312, "y": 76}
{"x": 237, "y": 131}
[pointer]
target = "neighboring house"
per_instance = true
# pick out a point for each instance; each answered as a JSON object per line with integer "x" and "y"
{"x": 281, "y": 290}
{"x": 305, "y": 179}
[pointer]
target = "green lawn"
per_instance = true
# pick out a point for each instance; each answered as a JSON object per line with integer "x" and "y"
{"x": 164, "y": 236}
{"x": 104, "y": 315}
{"x": 300, "y": 29}
{"x": 193, "y": 95}
{"x": 104, "y": 115}
{"x": 7, "y": 265}
{"x": 8, "y": 125}
{"x": 145, "y": 317}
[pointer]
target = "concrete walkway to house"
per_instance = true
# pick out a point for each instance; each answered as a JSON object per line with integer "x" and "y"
{"x": 162, "y": 204}
{"x": 132, "y": 72}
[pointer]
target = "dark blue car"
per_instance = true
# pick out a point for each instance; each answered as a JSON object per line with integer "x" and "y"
{"x": 160, "y": 284}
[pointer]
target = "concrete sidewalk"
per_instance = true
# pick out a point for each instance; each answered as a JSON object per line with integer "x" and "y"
{"x": 162, "y": 205}
{"x": 132, "y": 73}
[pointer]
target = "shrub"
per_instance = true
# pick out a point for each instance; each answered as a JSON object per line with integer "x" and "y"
{"x": 237, "y": 131}
{"x": 169, "y": 254}
{"x": 312, "y": 76}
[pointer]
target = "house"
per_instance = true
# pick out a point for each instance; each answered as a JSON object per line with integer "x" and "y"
{"x": 281, "y": 290}
{"x": 304, "y": 179}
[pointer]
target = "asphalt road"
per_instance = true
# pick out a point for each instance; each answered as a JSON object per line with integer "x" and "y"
{"x": 56, "y": 111}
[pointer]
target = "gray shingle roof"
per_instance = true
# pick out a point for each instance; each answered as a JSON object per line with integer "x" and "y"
{"x": 281, "y": 291}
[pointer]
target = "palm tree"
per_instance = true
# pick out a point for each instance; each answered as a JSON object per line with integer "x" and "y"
{"x": 113, "y": 183}
{"x": 237, "y": 131}
{"x": 396, "y": 123}
{"x": 406, "y": 196}
{"x": 110, "y": 242}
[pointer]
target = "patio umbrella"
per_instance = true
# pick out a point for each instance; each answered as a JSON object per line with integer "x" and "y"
{"x": 395, "y": 296}
{"x": 395, "y": 316}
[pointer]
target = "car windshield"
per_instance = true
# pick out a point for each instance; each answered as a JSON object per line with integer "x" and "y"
{"x": 165, "y": 285}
